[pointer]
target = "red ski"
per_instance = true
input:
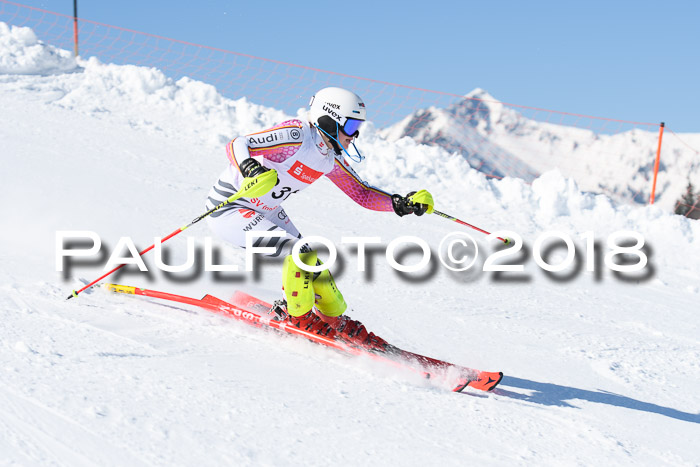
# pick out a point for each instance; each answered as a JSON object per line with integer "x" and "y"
{"x": 255, "y": 312}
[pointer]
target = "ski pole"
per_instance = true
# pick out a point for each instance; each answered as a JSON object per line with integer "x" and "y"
{"x": 446, "y": 216}
{"x": 254, "y": 188}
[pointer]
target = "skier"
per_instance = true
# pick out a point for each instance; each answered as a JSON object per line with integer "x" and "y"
{"x": 300, "y": 153}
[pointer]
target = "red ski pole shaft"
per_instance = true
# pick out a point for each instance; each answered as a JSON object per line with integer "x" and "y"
{"x": 141, "y": 253}
{"x": 447, "y": 216}
{"x": 255, "y": 187}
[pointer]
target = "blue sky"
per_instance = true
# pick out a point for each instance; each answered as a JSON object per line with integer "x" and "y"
{"x": 631, "y": 60}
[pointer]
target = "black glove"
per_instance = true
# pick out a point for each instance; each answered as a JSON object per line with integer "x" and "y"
{"x": 251, "y": 168}
{"x": 402, "y": 205}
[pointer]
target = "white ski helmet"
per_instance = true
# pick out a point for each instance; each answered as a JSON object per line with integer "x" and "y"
{"x": 337, "y": 108}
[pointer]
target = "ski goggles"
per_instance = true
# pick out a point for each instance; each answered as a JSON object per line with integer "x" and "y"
{"x": 351, "y": 127}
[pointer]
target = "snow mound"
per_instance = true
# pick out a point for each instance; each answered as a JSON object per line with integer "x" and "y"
{"x": 22, "y": 53}
{"x": 124, "y": 89}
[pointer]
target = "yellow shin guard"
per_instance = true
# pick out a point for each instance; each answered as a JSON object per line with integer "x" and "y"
{"x": 297, "y": 284}
{"x": 329, "y": 300}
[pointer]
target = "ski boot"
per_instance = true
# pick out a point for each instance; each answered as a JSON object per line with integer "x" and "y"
{"x": 313, "y": 323}
{"x": 331, "y": 304}
{"x": 355, "y": 333}
{"x": 304, "y": 290}
{"x": 309, "y": 321}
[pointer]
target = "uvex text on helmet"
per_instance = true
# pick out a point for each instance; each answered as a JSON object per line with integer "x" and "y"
{"x": 331, "y": 108}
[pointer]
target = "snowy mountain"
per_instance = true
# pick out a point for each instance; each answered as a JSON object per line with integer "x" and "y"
{"x": 600, "y": 368}
{"x": 498, "y": 140}
{"x": 464, "y": 128}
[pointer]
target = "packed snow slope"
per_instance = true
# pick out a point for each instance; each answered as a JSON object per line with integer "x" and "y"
{"x": 600, "y": 369}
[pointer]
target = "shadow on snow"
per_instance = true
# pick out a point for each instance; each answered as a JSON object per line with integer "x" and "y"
{"x": 556, "y": 395}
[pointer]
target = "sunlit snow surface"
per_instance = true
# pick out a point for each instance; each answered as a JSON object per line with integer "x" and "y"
{"x": 599, "y": 370}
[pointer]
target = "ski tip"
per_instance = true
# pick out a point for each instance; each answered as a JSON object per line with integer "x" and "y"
{"x": 460, "y": 387}
{"x": 485, "y": 381}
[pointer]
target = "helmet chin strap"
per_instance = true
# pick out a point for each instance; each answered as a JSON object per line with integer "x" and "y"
{"x": 356, "y": 157}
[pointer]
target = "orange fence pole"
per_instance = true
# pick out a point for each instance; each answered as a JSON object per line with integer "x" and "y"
{"x": 656, "y": 165}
